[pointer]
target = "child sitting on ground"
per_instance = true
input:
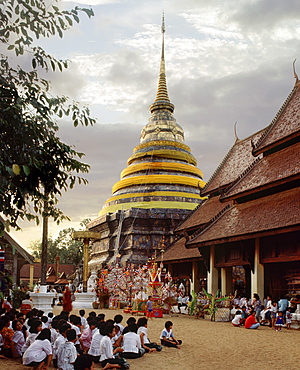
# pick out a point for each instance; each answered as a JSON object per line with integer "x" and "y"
{"x": 143, "y": 333}
{"x": 86, "y": 336}
{"x": 67, "y": 353}
{"x": 18, "y": 339}
{"x": 118, "y": 319}
{"x": 83, "y": 320}
{"x": 237, "y": 318}
{"x": 167, "y": 338}
{"x": 60, "y": 339}
{"x": 107, "y": 353}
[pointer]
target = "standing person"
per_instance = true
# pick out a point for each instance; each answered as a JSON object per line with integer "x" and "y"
{"x": 167, "y": 338}
{"x": 149, "y": 305}
{"x": 179, "y": 302}
{"x": 250, "y": 322}
{"x": 67, "y": 301}
{"x": 39, "y": 354}
{"x": 279, "y": 321}
{"x": 283, "y": 305}
{"x": 273, "y": 314}
{"x": 18, "y": 339}
{"x": 256, "y": 305}
{"x": 288, "y": 318}
{"x": 67, "y": 353}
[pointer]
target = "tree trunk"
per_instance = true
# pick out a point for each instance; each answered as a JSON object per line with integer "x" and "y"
{"x": 44, "y": 255}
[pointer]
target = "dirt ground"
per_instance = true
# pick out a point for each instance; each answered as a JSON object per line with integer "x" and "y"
{"x": 210, "y": 345}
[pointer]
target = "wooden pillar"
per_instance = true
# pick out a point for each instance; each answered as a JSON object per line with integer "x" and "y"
{"x": 85, "y": 263}
{"x": 31, "y": 275}
{"x": 226, "y": 281}
{"x": 257, "y": 277}
{"x": 15, "y": 269}
{"x": 195, "y": 284}
{"x": 212, "y": 275}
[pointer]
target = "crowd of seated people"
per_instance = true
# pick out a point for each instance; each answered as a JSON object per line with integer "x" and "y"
{"x": 71, "y": 342}
{"x": 275, "y": 314}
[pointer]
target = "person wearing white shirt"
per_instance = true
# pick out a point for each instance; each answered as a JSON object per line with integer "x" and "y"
{"x": 94, "y": 350}
{"x": 167, "y": 338}
{"x": 39, "y": 353}
{"x": 60, "y": 339}
{"x": 34, "y": 330}
{"x": 67, "y": 353}
{"x": 143, "y": 333}
{"x": 132, "y": 343}
{"x": 18, "y": 340}
{"x": 237, "y": 318}
{"x": 84, "y": 323}
{"x": 107, "y": 352}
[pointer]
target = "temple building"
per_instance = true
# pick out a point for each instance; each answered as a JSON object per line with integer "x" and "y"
{"x": 246, "y": 235}
{"x": 160, "y": 186}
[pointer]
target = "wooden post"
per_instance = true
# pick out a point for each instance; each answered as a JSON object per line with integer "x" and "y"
{"x": 212, "y": 275}
{"x": 44, "y": 255}
{"x": 31, "y": 274}
{"x": 85, "y": 263}
{"x": 257, "y": 277}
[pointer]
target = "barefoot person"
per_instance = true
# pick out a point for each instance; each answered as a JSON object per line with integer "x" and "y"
{"x": 167, "y": 338}
{"x": 107, "y": 353}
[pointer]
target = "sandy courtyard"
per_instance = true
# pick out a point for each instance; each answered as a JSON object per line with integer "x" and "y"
{"x": 210, "y": 345}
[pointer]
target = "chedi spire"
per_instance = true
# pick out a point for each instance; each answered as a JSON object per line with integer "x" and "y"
{"x": 162, "y": 101}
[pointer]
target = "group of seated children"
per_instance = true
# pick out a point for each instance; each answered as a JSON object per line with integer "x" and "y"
{"x": 247, "y": 318}
{"x": 76, "y": 343}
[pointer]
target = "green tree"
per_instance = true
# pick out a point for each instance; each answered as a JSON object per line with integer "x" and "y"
{"x": 35, "y": 165}
{"x": 70, "y": 251}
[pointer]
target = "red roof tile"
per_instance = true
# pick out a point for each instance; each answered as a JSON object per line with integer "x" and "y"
{"x": 270, "y": 170}
{"x": 234, "y": 163}
{"x": 285, "y": 124}
{"x": 178, "y": 251}
{"x": 275, "y": 211}
{"x": 204, "y": 213}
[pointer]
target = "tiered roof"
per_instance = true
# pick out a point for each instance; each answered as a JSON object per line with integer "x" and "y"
{"x": 178, "y": 252}
{"x": 264, "y": 190}
{"x": 252, "y": 218}
{"x": 237, "y": 160}
{"x": 271, "y": 171}
{"x": 284, "y": 127}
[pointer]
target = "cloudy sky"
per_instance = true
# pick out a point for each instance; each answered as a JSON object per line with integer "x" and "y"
{"x": 226, "y": 61}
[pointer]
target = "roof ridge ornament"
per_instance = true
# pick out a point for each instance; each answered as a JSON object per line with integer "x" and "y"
{"x": 295, "y": 74}
{"x": 162, "y": 101}
{"x": 235, "y": 133}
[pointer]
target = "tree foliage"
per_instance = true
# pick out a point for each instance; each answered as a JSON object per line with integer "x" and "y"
{"x": 70, "y": 251}
{"x": 35, "y": 165}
